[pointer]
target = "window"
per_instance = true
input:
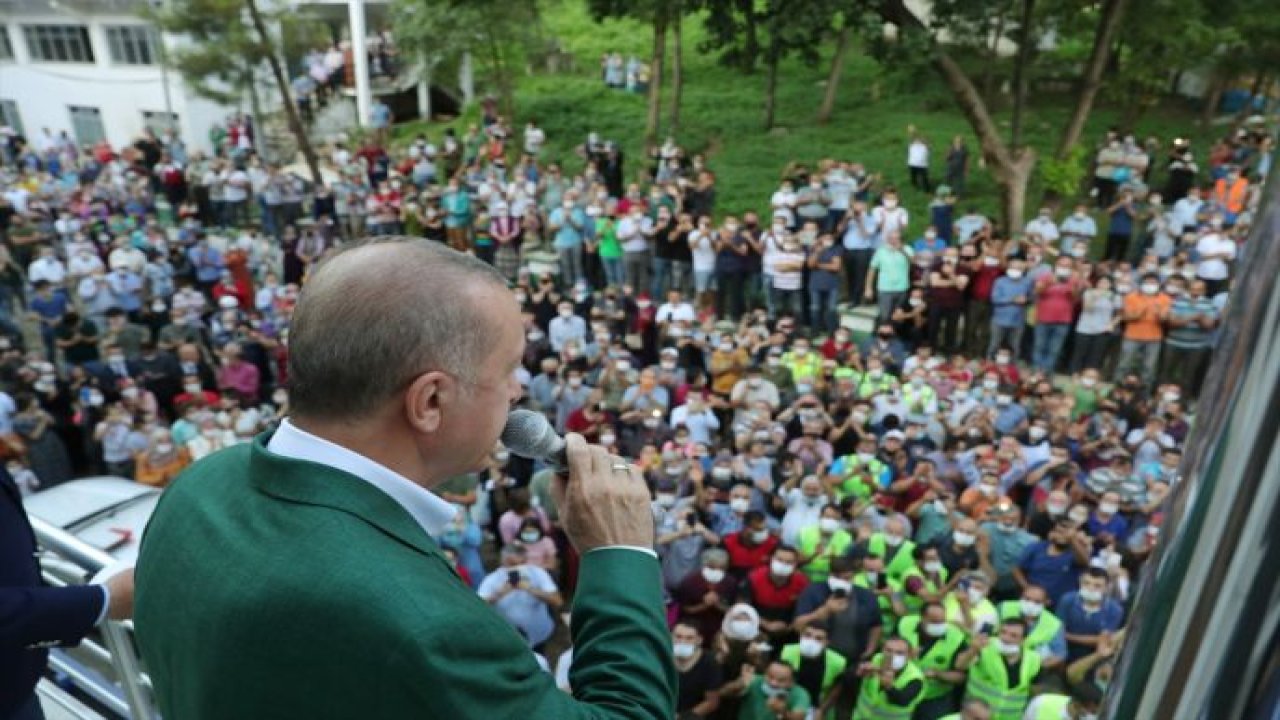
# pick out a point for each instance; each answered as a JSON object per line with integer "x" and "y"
{"x": 132, "y": 45}
{"x": 6, "y": 47}
{"x": 86, "y": 125}
{"x": 58, "y": 43}
{"x": 9, "y": 116}
{"x": 158, "y": 122}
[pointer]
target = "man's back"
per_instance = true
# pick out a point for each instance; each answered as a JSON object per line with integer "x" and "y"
{"x": 272, "y": 588}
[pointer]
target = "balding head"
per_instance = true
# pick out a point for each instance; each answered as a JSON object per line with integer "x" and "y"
{"x": 375, "y": 315}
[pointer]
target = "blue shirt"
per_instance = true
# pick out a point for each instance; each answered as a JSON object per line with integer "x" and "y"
{"x": 860, "y": 234}
{"x": 207, "y": 262}
{"x": 1009, "y": 417}
{"x": 1117, "y": 525}
{"x": 1057, "y": 574}
{"x": 569, "y": 231}
{"x": 936, "y": 245}
{"x": 1004, "y": 312}
{"x": 1078, "y": 621}
{"x": 1121, "y": 223}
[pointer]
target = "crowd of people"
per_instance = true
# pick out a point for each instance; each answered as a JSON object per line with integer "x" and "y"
{"x": 937, "y": 518}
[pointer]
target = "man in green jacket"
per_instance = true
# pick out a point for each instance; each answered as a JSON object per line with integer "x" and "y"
{"x": 297, "y": 576}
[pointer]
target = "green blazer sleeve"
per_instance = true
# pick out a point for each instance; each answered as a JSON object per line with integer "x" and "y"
{"x": 622, "y": 667}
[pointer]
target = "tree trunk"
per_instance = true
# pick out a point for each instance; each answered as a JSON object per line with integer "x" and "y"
{"x": 1261, "y": 84}
{"x": 1104, "y": 35}
{"x": 771, "y": 84}
{"x": 652, "y": 118}
{"x": 1217, "y": 85}
{"x": 1020, "y": 73}
{"x": 502, "y": 78}
{"x": 1010, "y": 169}
{"x": 282, "y": 86}
{"x": 677, "y": 68}
{"x": 993, "y": 55}
{"x": 833, "y": 76}
{"x": 751, "y": 47}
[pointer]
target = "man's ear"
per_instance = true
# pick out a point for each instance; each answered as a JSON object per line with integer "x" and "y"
{"x": 426, "y": 398}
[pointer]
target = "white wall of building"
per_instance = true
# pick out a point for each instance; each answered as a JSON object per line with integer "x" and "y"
{"x": 44, "y": 91}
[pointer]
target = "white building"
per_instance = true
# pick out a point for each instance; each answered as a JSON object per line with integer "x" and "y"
{"x": 92, "y": 67}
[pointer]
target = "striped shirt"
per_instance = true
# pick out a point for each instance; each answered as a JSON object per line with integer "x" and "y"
{"x": 1193, "y": 336}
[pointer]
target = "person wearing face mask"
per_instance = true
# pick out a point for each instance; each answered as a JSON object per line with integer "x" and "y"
{"x": 1045, "y": 632}
{"x": 752, "y": 547}
{"x": 925, "y": 581}
{"x": 859, "y": 475}
{"x": 1010, "y": 297}
{"x": 1054, "y": 564}
{"x": 819, "y": 543}
{"x": 566, "y": 327}
{"x": 730, "y": 518}
{"x": 1001, "y": 542}
{"x": 773, "y": 696}
{"x": 1056, "y": 296}
{"x": 681, "y": 538}
{"x": 1089, "y": 613}
{"x": 892, "y": 683}
{"x": 1230, "y": 193}
{"x": 892, "y": 545}
{"x": 956, "y": 549}
{"x": 1000, "y": 672}
{"x": 1144, "y": 314}
{"x": 936, "y": 645}
{"x": 818, "y": 669}
{"x": 1084, "y": 703}
{"x": 968, "y": 606}
{"x": 698, "y": 675}
{"x": 889, "y": 275}
{"x": 1188, "y": 342}
{"x": 703, "y": 595}
{"x": 774, "y": 589}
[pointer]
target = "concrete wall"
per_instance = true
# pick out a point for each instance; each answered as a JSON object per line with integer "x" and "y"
{"x": 44, "y": 90}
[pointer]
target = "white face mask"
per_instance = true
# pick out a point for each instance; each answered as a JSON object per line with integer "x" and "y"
{"x": 811, "y": 648}
{"x": 963, "y": 539}
{"x": 1090, "y": 596}
{"x": 1007, "y": 648}
{"x": 976, "y": 595}
{"x": 935, "y": 629}
{"x": 1036, "y": 433}
{"x": 933, "y": 566}
{"x": 828, "y": 525}
{"x": 897, "y": 662}
{"x": 759, "y": 536}
{"x": 781, "y": 569}
{"x": 836, "y": 583}
{"x": 608, "y": 440}
{"x": 739, "y": 505}
{"x": 1108, "y": 508}
{"x": 893, "y": 540}
{"x": 712, "y": 575}
{"x": 742, "y": 629}
{"x": 1150, "y": 288}
{"x": 1031, "y": 608}
{"x": 684, "y": 650}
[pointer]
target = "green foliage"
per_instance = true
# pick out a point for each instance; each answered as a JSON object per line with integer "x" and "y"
{"x": 721, "y": 115}
{"x": 223, "y": 53}
{"x": 1065, "y": 177}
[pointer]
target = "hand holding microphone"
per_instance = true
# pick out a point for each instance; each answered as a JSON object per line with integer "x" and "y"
{"x": 602, "y": 499}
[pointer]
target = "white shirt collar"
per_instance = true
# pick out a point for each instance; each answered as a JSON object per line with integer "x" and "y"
{"x": 430, "y": 511}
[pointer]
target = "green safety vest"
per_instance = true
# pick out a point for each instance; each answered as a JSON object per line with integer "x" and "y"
{"x": 915, "y": 603}
{"x": 988, "y": 681}
{"x": 854, "y": 469}
{"x": 1046, "y": 628}
{"x": 803, "y": 369}
{"x": 887, "y": 618}
{"x": 872, "y": 703}
{"x": 922, "y": 397}
{"x": 952, "y": 606}
{"x": 902, "y": 561}
{"x": 940, "y": 656}
{"x": 869, "y": 386}
{"x": 819, "y": 567}
{"x": 833, "y": 667}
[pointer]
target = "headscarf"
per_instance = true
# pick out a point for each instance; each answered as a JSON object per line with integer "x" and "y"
{"x": 735, "y": 613}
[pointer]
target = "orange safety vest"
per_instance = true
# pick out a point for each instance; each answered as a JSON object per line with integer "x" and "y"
{"x": 1231, "y": 198}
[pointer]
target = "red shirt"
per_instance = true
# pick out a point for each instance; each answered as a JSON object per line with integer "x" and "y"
{"x": 982, "y": 280}
{"x": 744, "y": 557}
{"x": 904, "y": 500}
{"x": 1055, "y": 301}
{"x": 775, "y": 602}
{"x": 578, "y": 422}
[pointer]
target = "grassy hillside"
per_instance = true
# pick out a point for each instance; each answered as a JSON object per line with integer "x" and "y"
{"x": 722, "y": 114}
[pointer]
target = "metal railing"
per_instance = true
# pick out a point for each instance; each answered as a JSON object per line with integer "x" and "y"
{"x": 128, "y": 693}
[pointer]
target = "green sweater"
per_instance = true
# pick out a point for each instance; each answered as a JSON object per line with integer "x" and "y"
{"x": 276, "y": 588}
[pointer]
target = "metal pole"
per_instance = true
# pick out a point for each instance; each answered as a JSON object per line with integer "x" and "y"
{"x": 360, "y": 60}
{"x": 1204, "y": 641}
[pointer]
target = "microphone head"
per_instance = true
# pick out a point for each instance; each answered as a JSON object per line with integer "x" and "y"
{"x": 529, "y": 435}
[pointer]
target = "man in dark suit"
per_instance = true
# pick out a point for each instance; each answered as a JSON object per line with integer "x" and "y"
{"x": 298, "y": 576}
{"x": 34, "y": 618}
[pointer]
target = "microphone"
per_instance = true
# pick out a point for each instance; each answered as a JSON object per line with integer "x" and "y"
{"x": 529, "y": 435}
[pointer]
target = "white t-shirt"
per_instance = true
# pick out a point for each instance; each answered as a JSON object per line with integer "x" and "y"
{"x": 50, "y": 269}
{"x": 1185, "y": 212}
{"x": 917, "y": 154}
{"x": 702, "y": 245}
{"x": 237, "y": 185}
{"x": 1046, "y": 228}
{"x": 890, "y": 219}
{"x": 787, "y": 279}
{"x": 783, "y": 205}
{"x": 674, "y": 313}
{"x": 1214, "y": 269}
